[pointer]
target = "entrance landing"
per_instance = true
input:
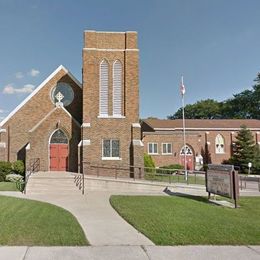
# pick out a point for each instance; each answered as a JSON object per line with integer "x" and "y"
{"x": 52, "y": 182}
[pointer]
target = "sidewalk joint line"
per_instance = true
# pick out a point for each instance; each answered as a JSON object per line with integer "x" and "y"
{"x": 27, "y": 248}
{"x": 145, "y": 251}
{"x": 253, "y": 250}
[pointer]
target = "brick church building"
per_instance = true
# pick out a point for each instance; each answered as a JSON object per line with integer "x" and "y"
{"x": 64, "y": 123}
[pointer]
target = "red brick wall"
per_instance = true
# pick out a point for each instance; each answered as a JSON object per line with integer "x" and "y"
{"x": 195, "y": 139}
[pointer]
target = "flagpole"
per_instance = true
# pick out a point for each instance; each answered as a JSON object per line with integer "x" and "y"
{"x": 184, "y": 130}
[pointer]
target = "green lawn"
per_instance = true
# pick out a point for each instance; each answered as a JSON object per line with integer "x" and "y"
{"x": 192, "y": 179}
{"x": 8, "y": 186}
{"x": 31, "y": 223}
{"x": 191, "y": 220}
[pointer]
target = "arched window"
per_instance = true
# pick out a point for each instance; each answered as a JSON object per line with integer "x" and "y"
{"x": 219, "y": 143}
{"x": 59, "y": 137}
{"x": 103, "y": 88}
{"x": 186, "y": 149}
{"x": 117, "y": 88}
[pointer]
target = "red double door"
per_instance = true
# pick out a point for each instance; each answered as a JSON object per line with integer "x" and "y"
{"x": 59, "y": 157}
{"x": 189, "y": 161}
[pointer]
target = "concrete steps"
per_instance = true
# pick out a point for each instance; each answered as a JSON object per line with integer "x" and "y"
{"x": 52, "y": 183}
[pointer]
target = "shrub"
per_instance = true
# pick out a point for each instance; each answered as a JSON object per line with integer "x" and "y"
{"x": 170, "y": 167}
{"x": 14, "y": 177}
{"x": 148, "y": 162}
{"x": 173, "y": 166}
{"x": 18, "y": 167}
{"x": 5, "y": 168}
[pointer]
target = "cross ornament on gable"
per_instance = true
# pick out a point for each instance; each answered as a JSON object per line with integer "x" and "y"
{"x": 59, "y": 96}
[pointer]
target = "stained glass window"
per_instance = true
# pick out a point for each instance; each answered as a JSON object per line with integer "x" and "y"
{"x": 219, "y": 142}
{"x": 188, "y": 150}
{"x": 59, "y": 137}
{"x": 111, "y": 148}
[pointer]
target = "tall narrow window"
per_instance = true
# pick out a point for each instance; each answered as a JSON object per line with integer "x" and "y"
{"x": 103, "y": 88}
{"x": 117, "y": 88}
{"x": 219, "y": 144}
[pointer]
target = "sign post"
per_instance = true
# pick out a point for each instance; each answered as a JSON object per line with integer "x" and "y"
{"x": 222, "y": 180}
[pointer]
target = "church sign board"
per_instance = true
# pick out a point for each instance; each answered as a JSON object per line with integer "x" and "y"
{"x": 222, "y": 180}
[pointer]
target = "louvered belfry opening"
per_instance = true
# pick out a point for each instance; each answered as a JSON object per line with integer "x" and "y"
{"x": 117, "y": 88}
{"x": 103, "y": 95}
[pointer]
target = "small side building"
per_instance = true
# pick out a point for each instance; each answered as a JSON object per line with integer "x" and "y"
{"x": 207, "y": 141}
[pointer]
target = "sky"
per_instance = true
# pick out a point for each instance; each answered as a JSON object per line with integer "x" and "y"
{"x": 214, "y": 44}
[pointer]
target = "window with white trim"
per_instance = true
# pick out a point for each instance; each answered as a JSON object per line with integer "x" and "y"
{"x": 220, "y": 144}
{"x": 117, "y": 88}
{"x": 111, "y": 148}
{"x": 103, "y": 88}
{"x": 166, "y": 148}
{"x": 152, "y": 148}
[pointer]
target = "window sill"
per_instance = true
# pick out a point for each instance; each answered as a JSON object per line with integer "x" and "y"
{"x": 111, "y": 158}
{"x": 166, "y": 153}
{"x": 153, "y": 153}
{"x": 111, "y": 117}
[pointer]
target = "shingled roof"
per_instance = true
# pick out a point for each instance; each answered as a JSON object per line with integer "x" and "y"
{"x": 164, "y": 124}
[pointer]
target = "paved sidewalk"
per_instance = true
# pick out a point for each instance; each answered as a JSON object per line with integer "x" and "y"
{"x": 131, "y": 253}
{"x": 100, "y": 222}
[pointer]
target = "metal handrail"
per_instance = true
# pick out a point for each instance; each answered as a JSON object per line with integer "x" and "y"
{"x": 144, "y": 171}
{"x": 79, "y": 181}
{"x": 35, "y": 166}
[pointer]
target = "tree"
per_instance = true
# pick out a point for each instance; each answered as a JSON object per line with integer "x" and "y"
{"x": 245, "y": 104}
{"x": 204, "y": 109}
{"x": 244, "y": 149}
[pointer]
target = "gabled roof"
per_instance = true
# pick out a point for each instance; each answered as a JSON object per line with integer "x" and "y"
{"x": 202, "y": 124}
{"x": 37, "y": 89}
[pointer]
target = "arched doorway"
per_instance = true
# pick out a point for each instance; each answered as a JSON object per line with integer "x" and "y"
{"x": 59, "y": 151}
{"x": 189, "y": 157}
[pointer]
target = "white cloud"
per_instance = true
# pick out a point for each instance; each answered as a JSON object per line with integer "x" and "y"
{"x": 10, "y": 89}
{"x": 19, "y": 75}
{"x": 34, "y": 72}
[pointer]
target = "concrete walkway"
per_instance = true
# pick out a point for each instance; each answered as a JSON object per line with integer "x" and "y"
{"x": 100, "y": 222}
{"x": 131, "y": 253}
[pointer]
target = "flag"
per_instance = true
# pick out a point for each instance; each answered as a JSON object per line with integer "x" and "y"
{"x": 182, "y": 87}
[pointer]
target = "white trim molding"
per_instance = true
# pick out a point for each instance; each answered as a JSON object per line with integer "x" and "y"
{"x": 2, "y": 130}
{"x": 200, "y": 128}
{"x": 28, "y": 147}
{"x": 97, "y": 49}
{"x": 136, "y": 125}
{"x": 111, "y": 158}
{"x": 2, "y": 145}
{"x": 85, "y": 125}
{"x": 84, "y": 142}
{"x": 53, "y": 110}
{"x": 111, "y": 117}
{"x": 137, "y": 142}
{"x": 61, "y": 67}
